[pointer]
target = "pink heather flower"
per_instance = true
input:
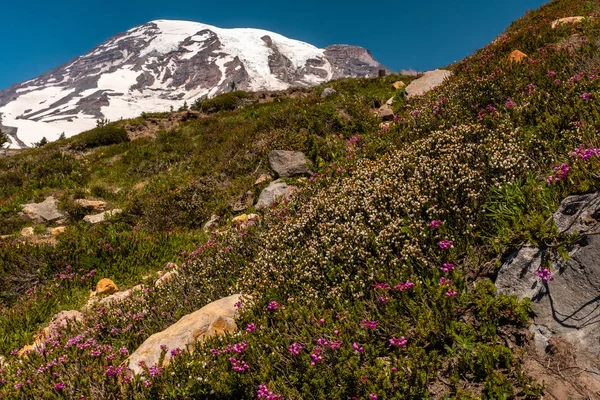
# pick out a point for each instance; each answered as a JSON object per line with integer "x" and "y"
{"x": 154, "y": 371}
{"x": 445, "y": 282}
{"x": 372, "y": 396}
{"x": 96, "y": 353}
{"x": 316, "y": 356}
{"x": 557, "y": 81}
{"x": 551, "y": 74}
{"x": 59, "y": 386}
{"x": 394, "y": 369}
{"x": 398, "y": 342}
{"x": 445, "y": 244}
{"x": 561, "y": 172}
{"x": 357, "y": 347}
{"x": 322, "y": 342}
{"x": 383, "y": 299}
{"x": 382, "y": 286}
{"x": 263, "y": 392}
{"x": 214, "y": 352}
{"x": 175, "y": 352}
{"x": 147, "y": 383}
{"x": 295, "y": 348}
{"x": 510, "y": 104}
{"x": 451, "y": 293}
{"x": 250, "y": 328}
{"x": 435, "y": 224}
{"x": 238, "y": 305}
{"x": 322, "y": 321}
{"x": 19, "y": 385}
{"x": 238, "y": 365}
{"x": 404, "y": 286}
{"x": 368, "y": 324}
{"x": 336, "y": 345}
{"x": 273, "y": 305}
{"x": 123, "y": 351}
{"x": 336, "y": 332}
{"x": 586, "y": 96}
{"x": 447, "y": 267}
{"x": 544, "y": 274}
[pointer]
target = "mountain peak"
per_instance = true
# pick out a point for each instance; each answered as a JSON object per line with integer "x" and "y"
{"x": 161, "y": 64}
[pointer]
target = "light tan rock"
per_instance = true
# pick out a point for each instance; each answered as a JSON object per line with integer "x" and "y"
{"x": 27, "y": 232}
{"x": 97, "y": 218}
{"x": 214, "y": 319}
{"x": 517, "y": 56}
{"x": 166, "y": 277}
{"x": 106, "y": 286}
{"x": 390, "y": 101}
{"x": 264, "y": 178}
{"x": 240, "y": 219}
{"x": 42, "y": 212}
{"x": 398, "y": 85}
{"x": 567, "y": 20}
{"x": 386, "y": 113}
{"x": 95, "y": 205}
{"x": 118, "y": 297}
{"x": 253, "y": 217}
{"x": 57, "y": 231}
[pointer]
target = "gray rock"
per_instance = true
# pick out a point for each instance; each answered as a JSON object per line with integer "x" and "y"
{"x": 276, "y": 191}
{"x": 386, "y": 112}
{"x": 430, "y": 80}
{"x": 46, "y": 211}
{"x": 213, "y": 222}
{"x": 289, "y": 163}
{"x": 578, "y": 213}
{"x": 568, "y": 306}
{"x": 328, "y": 92}
{"x": 97, "y": 218}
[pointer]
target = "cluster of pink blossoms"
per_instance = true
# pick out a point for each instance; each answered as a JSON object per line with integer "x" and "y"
{"x": 561, "y": 172}
{"x": 398, "y": 342}
{"x": 584, "y": 154}
{"x": 445, "y": 244}
{"x": 544, "y": 274}
{"x": 238, "y": 365}
{"x": 273, "y": 306}
{"x": 264, "y": 393}
{"x": 447, "y": 267}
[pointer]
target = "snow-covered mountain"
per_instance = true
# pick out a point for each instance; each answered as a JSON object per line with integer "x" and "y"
{"x": 162, "y": 64}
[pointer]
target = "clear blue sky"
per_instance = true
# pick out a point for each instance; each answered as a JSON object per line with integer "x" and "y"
{"x": 36, "y": 35}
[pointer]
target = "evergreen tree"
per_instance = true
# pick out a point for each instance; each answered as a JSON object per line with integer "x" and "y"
{"x": 4, "y": 140}
{"x": 62, "y": 136}
{"x": 41, "y": 143}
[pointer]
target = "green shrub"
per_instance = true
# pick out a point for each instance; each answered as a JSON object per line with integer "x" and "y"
{"x": 100, "y": 136}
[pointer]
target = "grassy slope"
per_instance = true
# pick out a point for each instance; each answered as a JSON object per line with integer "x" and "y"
{"x": 474, "y": 154}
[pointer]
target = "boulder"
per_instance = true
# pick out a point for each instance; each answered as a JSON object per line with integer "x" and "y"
{"x": 567, "y": 20}
{"x": 430, "y": 80}
{"x": 289, "y": 163}
{"x": 62, "y": 320}
{"x": 385, "y": 112}
{"x": 213, "y": 222}
{"x": 517, "y": 56}
{"x": 327, "y": 92}
{"x": 264, "y": 178}
{"x": 567, "y": 307}
{"x": 94, "y": 205}
{"x": 214, "y": 319}
{"x": 97, "y": 218}
{"x": 106, "y": 286}
{"x": 398, "y": 85}
{"x": 277, "y": 190}
{"x": 244, "y": 202}
{"x": 46, "y": 211}
{"x": 27, "y": 232}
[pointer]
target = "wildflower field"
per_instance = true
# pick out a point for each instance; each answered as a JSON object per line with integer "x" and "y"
{"x": 373, "y": 282}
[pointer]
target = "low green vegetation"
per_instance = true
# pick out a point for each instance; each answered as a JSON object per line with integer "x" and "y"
{"x": 371, "y": 283}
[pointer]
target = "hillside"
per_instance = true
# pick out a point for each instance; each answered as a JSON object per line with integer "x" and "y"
{"x": 374, "y": 279}
{"x": 163, "y": 65}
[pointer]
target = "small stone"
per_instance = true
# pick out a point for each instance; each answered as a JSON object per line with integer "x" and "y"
{"x": 327, "y": 92}
{"x": 386, "y": 113}
{"x": 27, "y": 232}
{"x": 567, "y": 20}
{"x": 253, "y": 217}
{"x": 95, "y": 205}
{"x": 97, "y": 218}
{"x": 106, "y": 286}
{"x": 398, "y": 85}
{"x": 213, "y": 222}
{"x": 264, "y": 178}
{"x": 289, "y": 163}
{"x": 517, "y": 56}
{"x": 240, "y": 219}
{"x": 244, "y": 202}
{"x": 57, "y": 231}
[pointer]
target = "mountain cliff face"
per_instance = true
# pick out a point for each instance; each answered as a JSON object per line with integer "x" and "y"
{"x": 162, "y": 64}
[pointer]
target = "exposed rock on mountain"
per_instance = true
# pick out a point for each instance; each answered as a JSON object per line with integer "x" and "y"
{"x": 162, "y": 64}
{"x": 430, "y": 80}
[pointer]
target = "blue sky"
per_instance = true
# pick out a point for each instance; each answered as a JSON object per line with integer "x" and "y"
{"x": 37, "y": 35}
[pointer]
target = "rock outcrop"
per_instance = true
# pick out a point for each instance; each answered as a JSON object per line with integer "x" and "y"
{"x": 214, "y": 319}
{"x": 430, "y": 80}
{"x": 567, "y": 20}
{"x": 94, "y": 205}
{"x": 289, "y": 163}
{"x": 568, "y": 306}
{"x": 46, "y": 211}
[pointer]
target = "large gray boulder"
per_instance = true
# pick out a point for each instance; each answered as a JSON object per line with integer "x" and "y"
{"x": 568, "y": 307}
{"x": 289, "y": 163}
{"x": 430, "y": 80}
{"x": 276, "y": 191}
{"x": 46, "y": 211}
